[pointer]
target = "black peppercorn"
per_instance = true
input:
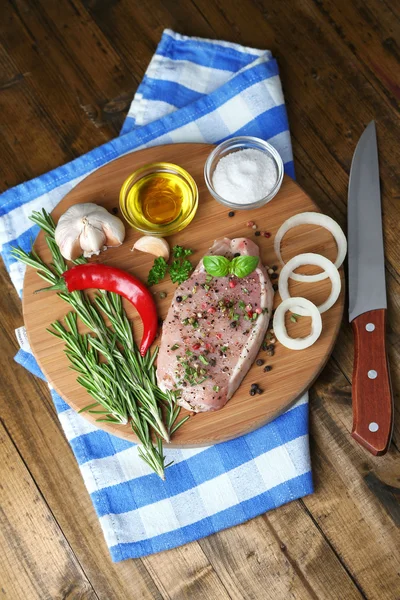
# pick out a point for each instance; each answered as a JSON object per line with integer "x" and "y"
{"x": 274, "y": 268}
{"x": 267, "y": 369}
{"x": 259, "y": 391}
{"x": 253, "y": 386}
{"x": 233, "y": 324}
{"x": 178, "y": 298}
{"x": 115, "y": 210}
{"x": 274, "y": 276}
{"x": 259, "y": 362}
{"x": 275, "y": 286}
{"x": 258, "y": 233}
{"x": 252, "y": 392}
{"x": 231, "y": 214}
{"x": 263, "y": 346}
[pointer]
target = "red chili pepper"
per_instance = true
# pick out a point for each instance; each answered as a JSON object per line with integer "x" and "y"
{"x": 103, "y": 277}
{"x": 232, "y": 283}
{"x": 196, "y": 346}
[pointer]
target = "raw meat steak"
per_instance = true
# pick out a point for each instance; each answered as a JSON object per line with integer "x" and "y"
{"x": 213, "y": 331}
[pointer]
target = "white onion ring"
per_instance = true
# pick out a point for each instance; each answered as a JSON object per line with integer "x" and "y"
{"x": 311, "y": 259}
{"x": 280, "y": 330}
{"x": 312, "y": 218}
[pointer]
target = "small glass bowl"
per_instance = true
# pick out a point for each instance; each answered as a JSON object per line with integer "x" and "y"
{"x": 135, "y": 217}
{"x": 233, "y": 145}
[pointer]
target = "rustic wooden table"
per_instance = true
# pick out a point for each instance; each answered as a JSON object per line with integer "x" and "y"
{"x": 69, "y": 69}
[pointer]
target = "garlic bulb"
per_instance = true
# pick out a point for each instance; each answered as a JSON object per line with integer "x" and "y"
{"x": 89, "y": 228}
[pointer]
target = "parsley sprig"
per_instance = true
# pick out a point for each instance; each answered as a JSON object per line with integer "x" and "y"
{"x": 179, "y": 268}
{"x": 158, "y": 271}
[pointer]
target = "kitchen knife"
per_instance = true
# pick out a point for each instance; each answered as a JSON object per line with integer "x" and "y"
{"x": 372, "y": 393}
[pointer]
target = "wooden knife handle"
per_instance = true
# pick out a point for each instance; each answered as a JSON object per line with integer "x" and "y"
{"x": 372, "y": 390}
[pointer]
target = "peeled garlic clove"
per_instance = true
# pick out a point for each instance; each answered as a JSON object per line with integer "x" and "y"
{"x": 152, "y": 245}
{"x": 91, "y": 239}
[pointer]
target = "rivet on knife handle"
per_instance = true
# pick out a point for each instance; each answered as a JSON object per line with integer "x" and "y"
{"x": 372, "y": 392}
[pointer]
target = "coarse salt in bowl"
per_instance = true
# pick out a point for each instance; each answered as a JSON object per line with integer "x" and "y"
{"x": 244, "y": 172}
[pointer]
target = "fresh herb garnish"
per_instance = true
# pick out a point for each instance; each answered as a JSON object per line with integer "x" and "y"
{"x": 244, "y": 265}
{"x": 158, "y": 271}
{"x": 175, "y": 347}
{"x": 220, "y": 266}
{"x": 217, "y": 266}
{"x": 216, "y": 388}
{"x": 107, "y": 360}
{"x": 179, "y": 268}
{"x": 181, "y": 252}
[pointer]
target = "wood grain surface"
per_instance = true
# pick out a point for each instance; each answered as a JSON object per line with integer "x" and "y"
{"x": 68, "y": 71}
{"x": 292, "y": 372}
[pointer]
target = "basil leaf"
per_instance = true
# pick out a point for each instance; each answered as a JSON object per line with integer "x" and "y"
{"x": 242, "y": 266}
{"x": 217, "y": 266}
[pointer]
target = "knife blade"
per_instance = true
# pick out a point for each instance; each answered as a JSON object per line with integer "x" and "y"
{"x": 371, "y": 388}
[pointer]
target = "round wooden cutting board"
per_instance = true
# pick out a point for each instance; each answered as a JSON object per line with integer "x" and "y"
{"x": 292, "y": 371}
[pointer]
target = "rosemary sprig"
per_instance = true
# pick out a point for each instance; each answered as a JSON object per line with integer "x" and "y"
{"x": 124, "y": 385}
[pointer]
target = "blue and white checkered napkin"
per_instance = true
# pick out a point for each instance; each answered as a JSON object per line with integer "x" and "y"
{"x": 194, "y": 90}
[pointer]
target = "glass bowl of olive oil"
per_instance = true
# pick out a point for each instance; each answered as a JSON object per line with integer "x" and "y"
{"x": 159, "y": 199}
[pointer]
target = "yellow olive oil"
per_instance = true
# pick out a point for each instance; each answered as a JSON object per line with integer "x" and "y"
{"x": 159, "y": 201}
